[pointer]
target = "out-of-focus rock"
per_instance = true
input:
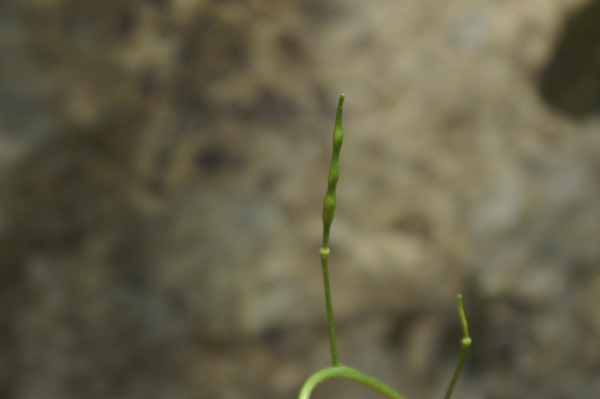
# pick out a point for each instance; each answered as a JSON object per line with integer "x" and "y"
{"x": 162, "y": 167}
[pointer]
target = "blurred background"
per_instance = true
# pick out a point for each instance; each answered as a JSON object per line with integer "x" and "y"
{"x": 162, "y": 170}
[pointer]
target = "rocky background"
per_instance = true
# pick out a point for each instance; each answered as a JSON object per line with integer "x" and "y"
{"x": 162, "y": 169}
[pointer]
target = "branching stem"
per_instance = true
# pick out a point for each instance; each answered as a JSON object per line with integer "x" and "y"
{"x": 339, "y": 371}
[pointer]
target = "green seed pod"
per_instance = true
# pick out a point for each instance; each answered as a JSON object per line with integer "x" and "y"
{"x": 334, "y": 173}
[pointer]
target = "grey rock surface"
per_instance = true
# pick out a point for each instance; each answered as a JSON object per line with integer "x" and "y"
{"x": 163, "y": 163}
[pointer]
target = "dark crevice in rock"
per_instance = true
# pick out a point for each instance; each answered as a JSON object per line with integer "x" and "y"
{"x": 570, "y": 82}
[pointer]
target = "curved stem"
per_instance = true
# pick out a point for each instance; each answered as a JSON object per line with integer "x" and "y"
{"x": 346, "y": 373}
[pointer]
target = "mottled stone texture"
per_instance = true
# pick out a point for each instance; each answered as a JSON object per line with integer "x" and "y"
{"x": 163, "y": 163}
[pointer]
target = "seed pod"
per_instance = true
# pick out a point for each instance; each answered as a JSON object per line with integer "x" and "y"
{"x": 334, "y": 173}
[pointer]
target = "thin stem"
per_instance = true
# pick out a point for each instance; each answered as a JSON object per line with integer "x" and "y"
{"x": 328, "y": 213}
{"x": 335, "y": 357}
{"x": 346, "y": 373}
{"x": 464, "y": 348}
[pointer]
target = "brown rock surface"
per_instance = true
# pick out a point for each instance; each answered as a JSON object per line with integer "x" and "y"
{"x": 162, "y": 167}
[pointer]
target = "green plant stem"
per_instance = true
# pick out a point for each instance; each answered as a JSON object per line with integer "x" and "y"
{"x": 346, "y": 373}
{"x": 339, "y": 371}
{"x": 328, "y": 213}
{"x": 464, "y": 348}
{"x": 335, "y": 357}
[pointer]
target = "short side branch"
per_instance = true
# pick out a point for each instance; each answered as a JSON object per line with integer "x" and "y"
{"x": 465, "y": 345}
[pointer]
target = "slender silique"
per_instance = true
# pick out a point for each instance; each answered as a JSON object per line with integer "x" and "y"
{"x": 328, "y": 214}
{"x": 337, "y": 370}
